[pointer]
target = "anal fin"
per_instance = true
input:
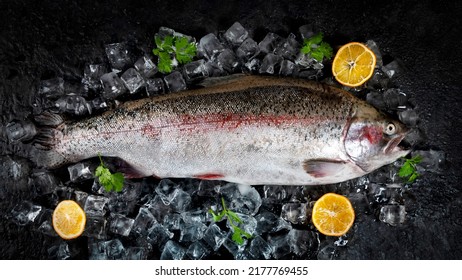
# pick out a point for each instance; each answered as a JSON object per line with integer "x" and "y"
{"x": 319, "y": 168}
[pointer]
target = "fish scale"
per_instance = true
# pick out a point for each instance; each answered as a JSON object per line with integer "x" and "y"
{"x": 250, "y": 129}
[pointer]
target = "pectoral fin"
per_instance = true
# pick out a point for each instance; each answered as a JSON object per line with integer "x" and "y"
{"x": 319, "y": 168}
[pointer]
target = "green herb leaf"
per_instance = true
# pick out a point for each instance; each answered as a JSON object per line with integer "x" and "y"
{"x": 108, "y": 180}
{"x": 170, "y": 47}
{"x": 316, "y": 48}
{"x": 233, "y": 219}
{"x": 237, "y": 236}
{"x": 408, "y": 169}
{"x": 184, "y": 50}
{"x": 165, "y": 62}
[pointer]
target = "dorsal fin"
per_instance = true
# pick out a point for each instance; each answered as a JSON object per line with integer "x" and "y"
{"x": 223, "y": 80}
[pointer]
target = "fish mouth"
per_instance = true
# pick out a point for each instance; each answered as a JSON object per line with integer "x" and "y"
{"x": 396, "y": 144}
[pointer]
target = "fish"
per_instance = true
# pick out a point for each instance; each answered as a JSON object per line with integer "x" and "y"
{"x": 253, "y": 130}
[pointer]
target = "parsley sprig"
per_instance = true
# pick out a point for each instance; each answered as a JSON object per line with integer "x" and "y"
{"x": 408, "y": 170}
{"x": 172, "y": 50}
{"x": 110, "y": 181}
{"x": 316, "y": 48}
{"x": 234, "y": 221}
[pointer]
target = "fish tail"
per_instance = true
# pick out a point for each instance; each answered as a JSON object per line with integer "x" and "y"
{"x": 49, "y": 129}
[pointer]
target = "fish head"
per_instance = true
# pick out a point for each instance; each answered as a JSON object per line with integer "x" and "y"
{"x": 373, "y": 139}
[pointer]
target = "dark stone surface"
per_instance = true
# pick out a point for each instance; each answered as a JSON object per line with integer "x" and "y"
{"x": 46, "y": 39}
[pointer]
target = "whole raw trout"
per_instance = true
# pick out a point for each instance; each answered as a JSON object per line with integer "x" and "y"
{"x": 251, "y": 130}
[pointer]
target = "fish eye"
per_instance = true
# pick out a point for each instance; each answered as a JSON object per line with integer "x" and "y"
{"x": 390, "y": 129}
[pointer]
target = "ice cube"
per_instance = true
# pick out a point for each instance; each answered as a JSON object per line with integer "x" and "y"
{"x": 303, "y": 241}
{"x": 25, "y": 213}
{"x": 296, "y": 213}
{"x": 79, "y": 172}
{"x": 375, "y": 49}
{"x": 119, "y": 56}
{"x": 167, "y": 190}
{"x": 266, "y": 222}
{"x": 158, "y": 208}
{"x": 20, "y": 131}
{"x": 379, "y": 80}
{"x": 73, "y": 104}
{"x": 124, "y": 202}
{"x": 288, "y": 48}
{"x": 287, "y": 68}
{"x": 208, "y": 188}
{"x": 155, "y": 87}
{"x": 236, "y": 34}
{"x": 98, "y": 104}
{"x": 159, "y": 235}
{"x": 165, "y": 31}
{"x": 279, "y": 245}
{"x": 234, "y": 248}
{"x": 328, "y": 252}
{"x": 112, "y": 85}
{"x": 43, "y": 182}
{"x": 172, "y": 251}
{"x": 60, "y": 194}
{"x": 120, "y": 224}
{"x": 172, "y": 221}
{"x": 95, "y": 227}
{"x": 270, "y": 42}
{"x": 304, "y": 60}
{"x": 376, "y": 99}
{"x": 209, "y": 47}
{"x": 44, "y": 222}
{"x": 91, "y": 76}
{"x": 395, "y": 99}
{"x": 114, "y": 249}
{"x": 214, "y": 237}
{"x": 191, "y": 232}
{"x": 143, "y": 221}
{"x": 197, "y": 251}
{"x": 306, "y": 31}
{"x": 52, "y": 88}
{"x": 414, "y": 137}
{"x": 59, "y": 252}
{"x": 409, "y": 117}
{"x": 271, "y": 64}
{"x": 213, "y": 70}
{"x": 135, "y": 253}
{"x": 170, "y": 194}
{"x": 194, "y": 216}
{"x": 260, "y": 249}
{"x": 342, "y": 241}
{"x": 195, "y": 70}
{"x": 241, "y": 198}
{"x": 253, "y": 65}
{"x": 432, "y": 160}
{"x": 81, "y": 198}
{"x": 175, "y": 82}
{"x": 132, "y": 80}
{"x": 248, "y": 224}
{"x": 393, "y": 214}
{"x": 274, "y": 193}
{"x": 248, "y": 49}
{"x": 146, "y": 67}
{"x": 393, "y": 69}
{"x": 228, "y": 61}
{"x": 95, "y": 205}
{"x": 96, "y": 251}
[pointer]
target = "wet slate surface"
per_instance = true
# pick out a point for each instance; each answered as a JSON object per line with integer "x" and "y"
{"x": 45, "y": 39}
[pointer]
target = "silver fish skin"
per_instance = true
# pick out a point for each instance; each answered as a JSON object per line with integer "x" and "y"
{"x": 250, "y": 130}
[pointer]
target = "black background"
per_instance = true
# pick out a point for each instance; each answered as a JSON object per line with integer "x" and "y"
{"x": 46, "y": 39}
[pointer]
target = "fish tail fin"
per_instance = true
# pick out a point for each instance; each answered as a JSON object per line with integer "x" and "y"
{"x": 49, "y": 129}
{"x": 47, "y": 158}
